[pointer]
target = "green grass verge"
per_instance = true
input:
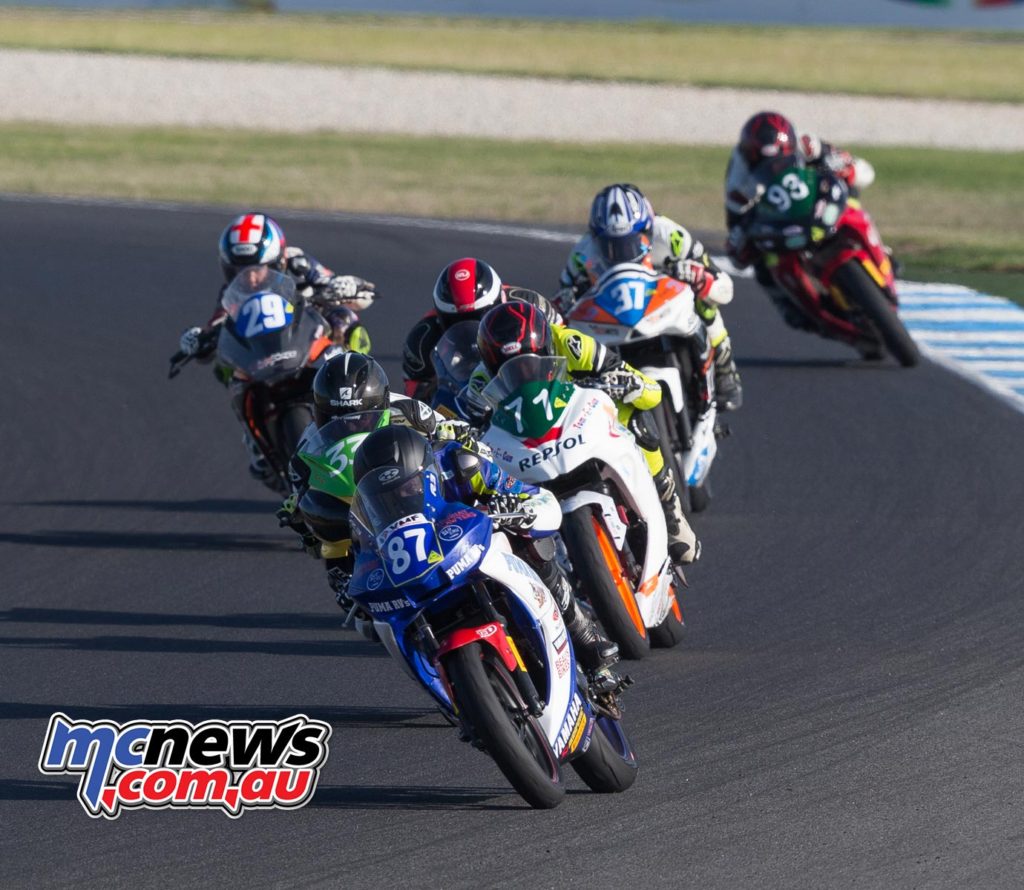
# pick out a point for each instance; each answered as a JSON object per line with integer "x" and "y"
{"x": 967, "y": 65}
{"x": 946, "y": 213}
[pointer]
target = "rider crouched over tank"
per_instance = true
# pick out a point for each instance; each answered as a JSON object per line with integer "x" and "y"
{"x": 529, "y": 513}
{"x": 355, "y": 386}
{"x": 623, "y": 228}
{"x": 514, "y": 329}
{"x": 465, "y": 290}
{"x": 254, "y": 239}
{"x": 769, "y": 138}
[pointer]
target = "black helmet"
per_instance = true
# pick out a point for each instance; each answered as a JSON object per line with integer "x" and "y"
{"x": 349, "y": 384}
{"x": 767, "y": 134}
{"x": 510, "y": 330}
{"x": 394, "y": 446}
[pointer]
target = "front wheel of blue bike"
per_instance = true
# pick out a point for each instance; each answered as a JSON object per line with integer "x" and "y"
{"x": 486, "y": 695}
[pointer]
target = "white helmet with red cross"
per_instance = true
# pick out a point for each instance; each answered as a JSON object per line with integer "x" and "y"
{"x": 252, "y": 239}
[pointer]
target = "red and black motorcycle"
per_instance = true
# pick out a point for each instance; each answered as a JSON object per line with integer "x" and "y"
{"x": 824, "y": 251}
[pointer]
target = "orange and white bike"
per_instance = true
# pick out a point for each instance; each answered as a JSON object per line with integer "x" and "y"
{"x": 550, "y": 431}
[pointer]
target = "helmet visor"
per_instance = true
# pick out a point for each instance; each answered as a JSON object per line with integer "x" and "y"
{"x": 631, "y": 248}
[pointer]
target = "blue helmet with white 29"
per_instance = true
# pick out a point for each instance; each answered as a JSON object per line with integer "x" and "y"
{"x": 621, "y": 222}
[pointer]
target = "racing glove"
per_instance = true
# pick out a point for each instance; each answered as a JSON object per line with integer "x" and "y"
{"x": 695, "y": 274}
{"x": 525, "y": 516}
{"x": 191, "y": 341}
{"x": 352, "y": 290}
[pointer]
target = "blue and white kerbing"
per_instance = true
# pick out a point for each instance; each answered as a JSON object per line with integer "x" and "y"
{"x": 978, "y": 336}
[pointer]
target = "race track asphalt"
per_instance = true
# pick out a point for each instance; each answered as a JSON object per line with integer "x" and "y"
{"x": 846, "y": 711}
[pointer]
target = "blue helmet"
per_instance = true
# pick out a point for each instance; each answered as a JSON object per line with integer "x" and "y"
{"x": 621, "y": 221}
{"x": 252, "y": 239}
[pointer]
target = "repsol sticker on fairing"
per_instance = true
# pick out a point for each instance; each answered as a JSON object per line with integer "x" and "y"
{"x": 550, "y": 451}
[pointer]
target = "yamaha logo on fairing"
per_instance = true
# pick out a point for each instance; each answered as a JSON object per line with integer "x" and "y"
{"x": 375, "y": 579}
{"x": 389, "y": 475}
{"x": 550, "y": 451}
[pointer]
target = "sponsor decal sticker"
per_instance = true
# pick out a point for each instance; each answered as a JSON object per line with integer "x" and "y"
{"x": 450, "y": 532}
{"x": 389, "y": 474}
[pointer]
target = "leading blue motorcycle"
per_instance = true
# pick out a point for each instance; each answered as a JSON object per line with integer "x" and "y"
{"x": 472, "y": 623}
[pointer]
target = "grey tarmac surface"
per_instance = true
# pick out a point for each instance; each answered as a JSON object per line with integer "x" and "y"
{"x": 845, "y": 712}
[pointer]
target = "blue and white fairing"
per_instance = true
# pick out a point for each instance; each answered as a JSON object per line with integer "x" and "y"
{"x": 419, "y": 553}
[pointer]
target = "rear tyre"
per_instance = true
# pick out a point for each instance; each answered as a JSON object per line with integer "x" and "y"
{"x": 484, "y": 693}
{"x": 699, "y": 496}
{"x": 599, "y": 568}
{"x": 672, "y": 630}
{"x": 609, "y": 765}
{"x": 860, "y": 289}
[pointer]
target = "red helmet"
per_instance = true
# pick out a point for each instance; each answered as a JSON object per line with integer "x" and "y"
{"x": 767, "y": 135}
{"x": 510, "y": 330}
{"x": 466, "y": 289}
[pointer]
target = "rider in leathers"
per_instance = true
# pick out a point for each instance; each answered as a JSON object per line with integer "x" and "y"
{"x": 514, "y": 329}
{"x": 765, "y": 136}
{"x": 254, "y": 239}
{"x": 624, "y": 228}
{"x": 464, "y": 291}
{"x": 467, "y": 477}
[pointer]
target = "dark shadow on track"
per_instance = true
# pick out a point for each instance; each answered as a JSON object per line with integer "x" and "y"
{"x": 148, "y": 541}
{"x": 204, "y": 505}
{"x": 20, "y": 789}
{"x": 777, "y": 362}
{"x": 266, "y": 621}
{"x": 350, "y": 717}
{"x": 412, "y": 797}
{"x": 334, "y": 649}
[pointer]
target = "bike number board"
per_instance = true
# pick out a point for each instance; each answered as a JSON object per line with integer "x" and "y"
{"x": 333, "y": 472}
{"x": 626, "y": 298}
{"x": 263, "y": 314}
{"x": 532, "y": 409}
{"x": 409, "y": 549}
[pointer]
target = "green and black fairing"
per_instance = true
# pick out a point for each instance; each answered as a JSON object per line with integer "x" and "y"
{"x": 328, "y": 455}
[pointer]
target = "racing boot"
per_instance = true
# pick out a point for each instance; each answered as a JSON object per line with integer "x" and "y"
{"x": 259, "y": 466}
{"x": 728, "y": 389}
{"x": 683, "y": 546}
{"x": 594, "y": 651}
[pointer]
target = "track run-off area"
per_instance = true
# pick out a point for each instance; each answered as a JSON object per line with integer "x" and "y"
{"x": 845, "y": 710}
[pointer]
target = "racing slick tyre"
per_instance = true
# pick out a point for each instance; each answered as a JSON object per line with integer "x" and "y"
{"x": 860, "y": 289}
{"x": 485, "y": 694}
{"x": 699, "y": 496}
{"x": 609, "y": 765}
{"x": 598, "y": 567}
